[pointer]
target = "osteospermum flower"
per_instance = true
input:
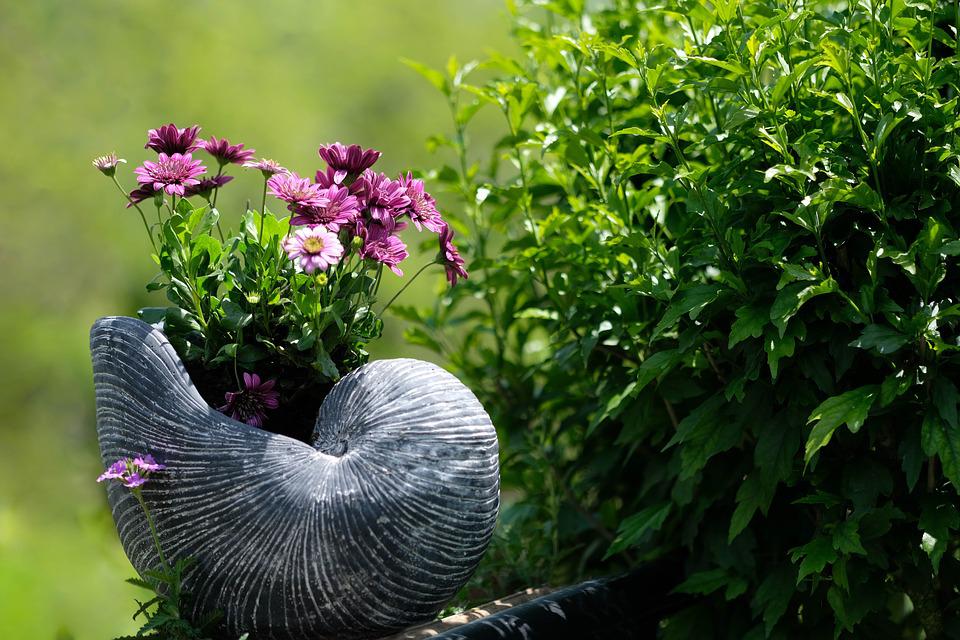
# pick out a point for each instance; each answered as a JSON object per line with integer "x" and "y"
{"x": 206, "y": 186}
{"x": 107, "y": 165}
{"x": 381, "y": 245}
{"x": 382, "y": 197}
{"x": 341, "y": 209}
{"x": 132, "y": 472}
{"x": 266, "y": 166}
{"x": 296, "y": 191}
{"x": 172, "y": 174}
{"x": 251, "y": 403}
{"x": 169, "y": 139}
{"x": 422, "y": 208}
{"x": 224, "y": 152}
{"x": 347, "y": 160}
{"x": 313, "y": 248}
{"x": 449, "y": 257}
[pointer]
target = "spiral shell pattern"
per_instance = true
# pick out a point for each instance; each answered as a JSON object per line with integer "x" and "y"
{"x": 372, "y": 529}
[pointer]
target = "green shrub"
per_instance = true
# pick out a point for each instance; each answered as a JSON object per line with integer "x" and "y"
{"x": 714, "y": 305}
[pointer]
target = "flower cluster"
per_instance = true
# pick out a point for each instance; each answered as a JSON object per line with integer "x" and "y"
{"x": 292, "y": 298}
{"x": 132, "y": 472}
{"x": 352, "y": 200}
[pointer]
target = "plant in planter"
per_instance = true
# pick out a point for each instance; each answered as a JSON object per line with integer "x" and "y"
{"x": 357, "y": 521}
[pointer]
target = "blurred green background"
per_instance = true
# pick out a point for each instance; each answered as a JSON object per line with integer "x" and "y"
{"x": 88, "y": 77}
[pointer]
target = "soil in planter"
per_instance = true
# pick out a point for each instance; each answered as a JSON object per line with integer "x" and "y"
{"x": 299, "y": 405}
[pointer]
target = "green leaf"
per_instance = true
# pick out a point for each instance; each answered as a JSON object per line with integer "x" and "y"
{"x": 749, "y": 324}
{"x": 773, "y": 595}
{"x": 846, "y": 538}
{"x": 235, "y": 317}
{"x": 433, "y": 76}
{"x": 816, "y": 555}
{"x": 939, "y": 438}
{"x": 792, "y": 297}
{"x": 633, "y": 528}
{"x": 706, "y": 582}
{"x": 850, "y": 408}
{"x": 754, "y": 494}
{"x": 882, "y": 338}
{"x": 325, "y": 364}
{"x": 939, "y": 519}
{"x": 692, "y": 301}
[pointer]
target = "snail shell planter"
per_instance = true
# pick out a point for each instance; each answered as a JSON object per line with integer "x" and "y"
{"x": 370, "y": 529}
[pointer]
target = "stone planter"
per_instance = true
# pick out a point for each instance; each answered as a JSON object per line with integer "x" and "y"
{"x": 371, "y": 528}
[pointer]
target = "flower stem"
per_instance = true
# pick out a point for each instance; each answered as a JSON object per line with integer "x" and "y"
{"x": 407, "y": 284}
{"x": 153, "y": 528}
{"x": 263, "y": 209}
{"x": 139, "y": 210}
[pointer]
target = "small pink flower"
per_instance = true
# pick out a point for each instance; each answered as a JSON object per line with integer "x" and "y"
{"x": 169, "y": 139}
{"x": 172, "y": 174}
{"x": 296, "y": 191}
{"x": 224, "y": 152}
{"x": 346, "y": 161}
{"x": 422, "y": 208}
{"x": 341, "y": 209}
{"x": 381, "y": 245}
{"x": 313, "y": 248}
{"x": 382, "y": 197}
{"x": 449, "y": 257}
{"x": 107, "y": 165}
{"x": 132, "y": 472}
{"x": 266, "y": 166}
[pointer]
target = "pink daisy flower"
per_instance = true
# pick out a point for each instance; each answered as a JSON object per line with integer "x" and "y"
{"x": 341, "y": 209}
{"x": 169, "y": 139}
{"x": 345, "y": 161}
{"x": 313, "y": 248}
{"x": 172, "y": 174}
{"x": 296, "y": 191}
{"x": 224, "y": 152}
{"x": 449, "y": 257}
{"x": 423, "y": 208}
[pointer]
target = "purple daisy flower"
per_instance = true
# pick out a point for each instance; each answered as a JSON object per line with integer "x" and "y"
{"x": 114, "y": 472}
{"x": 141, "y": 193}
{"x": 423, "y": 208}
{"x": 313, "y": 248}
{"x": 107, "y": 165}
{"x": 381, "y": 245}
{"x": 341, "y": 209}
{"x": 250, "y": 404}
{"x": 345, "y": 161}
{"x": 172, "y": 174}
{"x": 147, "y": 463}
{"x": 266, "y": 166}
{"x": 449, "y": 257}
{"x": 224, "y": 152}
{"x": 296, "y": 191}
{"x": 206, "y": 186}
{"x": 383, "y": 197}
{"x": 169, "y": 139}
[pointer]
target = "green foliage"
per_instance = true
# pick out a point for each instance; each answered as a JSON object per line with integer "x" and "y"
{"x": 713, "y": 308}
{"x": 238, "y": 302}
{"x": 162, "y": 618}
